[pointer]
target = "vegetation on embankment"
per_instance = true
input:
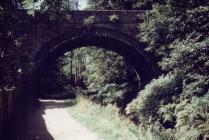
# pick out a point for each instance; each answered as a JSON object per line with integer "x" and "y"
{"x": 106, "y": 122}
{"x": 162, "y": 106}
{"x": 178, "y": 100}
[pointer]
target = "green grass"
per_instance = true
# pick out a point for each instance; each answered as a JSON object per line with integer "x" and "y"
{"x": 106, "y": 123}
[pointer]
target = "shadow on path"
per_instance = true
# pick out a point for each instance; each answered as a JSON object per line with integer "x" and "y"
{"x": 51, "y": 121}
{"x": 32, "y": 126}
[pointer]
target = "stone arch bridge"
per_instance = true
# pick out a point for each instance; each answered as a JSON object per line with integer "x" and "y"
{"x": 52, "y": 34}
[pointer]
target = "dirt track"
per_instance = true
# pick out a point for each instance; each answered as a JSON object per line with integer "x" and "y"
{"x": 53, "y": 122}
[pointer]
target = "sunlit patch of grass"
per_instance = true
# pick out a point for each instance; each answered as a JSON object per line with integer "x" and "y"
{"x": 106, "y": 122}
{"x": 71, "y": 102}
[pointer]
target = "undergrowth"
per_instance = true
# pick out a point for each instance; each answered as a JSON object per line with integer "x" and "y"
{"x": 106, "y": 122}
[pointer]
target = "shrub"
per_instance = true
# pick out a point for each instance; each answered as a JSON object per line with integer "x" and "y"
{"x": 113, "y": 18}
{"x": 193, "y": 119}
{"x": 167, "y": 115}
{"x": 145, "y": 106}
{"x": 113, "y": 94}
{"x": 191, "y": 60}
{"x": 89, "y": 21}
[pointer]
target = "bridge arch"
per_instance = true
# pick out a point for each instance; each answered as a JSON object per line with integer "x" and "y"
{"x": 130, "y": 48}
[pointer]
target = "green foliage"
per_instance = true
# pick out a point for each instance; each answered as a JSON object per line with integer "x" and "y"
{"x": 192, "y": 118}
{"x": 112, "y": 94}
{"x": 155, "y": 28}
{"x": 162, "y": 27}
{"x": 29, "y": 5}
{"x": 191, "y": 60}
{"x": 177, "y": 33}
{"x": 113, "y": 18}
{"x": 186, "y": 55}
{"x": 111, "y": 4}
{"x": 89, "y": 21}
{"x": 108, "y": 124}
{"x": 99, "y": 4}
{"x": 160, "y": 106}
{"x": 167, "y": 115}
{"x": 47, "y": 5}
{"x": 143, "y": 4}
{"x": 147, "y": 104}
{"x": 103, "y": 67}
{"x": 179, "y": 5}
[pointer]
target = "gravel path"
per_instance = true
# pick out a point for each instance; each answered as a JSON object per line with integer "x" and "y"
{"x": 53, "y": 122}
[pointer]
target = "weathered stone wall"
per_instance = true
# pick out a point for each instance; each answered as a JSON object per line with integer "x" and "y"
{"x": 43, "y": 27}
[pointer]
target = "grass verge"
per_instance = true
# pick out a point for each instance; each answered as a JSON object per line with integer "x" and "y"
{"x": 106, "y": 122}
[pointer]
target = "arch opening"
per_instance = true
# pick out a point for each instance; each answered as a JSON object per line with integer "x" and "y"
{"x": 90, "y": 71}
{"x": 130, "y": 49}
